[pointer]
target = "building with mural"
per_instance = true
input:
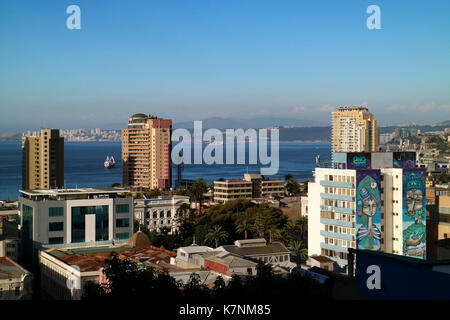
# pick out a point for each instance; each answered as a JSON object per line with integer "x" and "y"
{"x": 368, "y": 201}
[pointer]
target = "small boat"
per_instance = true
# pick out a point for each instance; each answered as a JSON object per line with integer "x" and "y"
{"x": 109, "y": 162}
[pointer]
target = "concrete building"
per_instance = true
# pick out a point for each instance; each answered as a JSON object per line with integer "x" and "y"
{"x": 304, "y": 206}
{"x": 263, "y": 187}
{"x": 15, "y": 281}
{"x": 438, "y": 227}
{"x": 232, "y": 189}
{"x": 64, "y": 217}
{"x": 9, "y": 240}
{"x": 146, "y": 149}
{"x": 43, "y": 160}
{"x": 157, "y": 213}
{"x": 377, "y": 203}
{"x": 253, "y": 186}
{"x": 274, "y": 254}
{"x": 354, "y": 129}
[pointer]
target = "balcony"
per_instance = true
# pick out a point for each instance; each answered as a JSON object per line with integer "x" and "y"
{"x": 337, "y": 184}
{"x": 337, "y": 235}
{"x": 333, "y": 196}
{"x": 339, "y": 223}
{"x": 337, "y": 209}
{"x": 333, "y": 247}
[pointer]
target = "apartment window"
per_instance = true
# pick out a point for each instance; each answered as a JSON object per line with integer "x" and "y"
{"x": 122, "y": 223}
{"x": 56, "y": 212}
{"x": 122, "y": 208}
{"x": 122, "y": 235}
{"x": 56, "y": 226}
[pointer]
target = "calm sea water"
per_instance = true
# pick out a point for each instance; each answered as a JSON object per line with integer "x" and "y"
{"x": 83, "y": 165}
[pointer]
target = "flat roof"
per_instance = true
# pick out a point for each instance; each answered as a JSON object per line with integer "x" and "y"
{"x": 57, "y": 192}
{"x": 92, "y": 259}
{"x": 271, "y": 248}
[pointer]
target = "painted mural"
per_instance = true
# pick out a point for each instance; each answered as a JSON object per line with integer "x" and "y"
{"x": 414, "y": 213}
{"x": 404, "y": 159}
{"x": 368, "y": 209}
{"x": 360, "y": 160}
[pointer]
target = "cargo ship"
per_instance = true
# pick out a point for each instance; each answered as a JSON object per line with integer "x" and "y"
{"x": 109, "y": 162}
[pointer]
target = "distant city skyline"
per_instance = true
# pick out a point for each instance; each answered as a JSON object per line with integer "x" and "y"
{"x": 195, "y": 60}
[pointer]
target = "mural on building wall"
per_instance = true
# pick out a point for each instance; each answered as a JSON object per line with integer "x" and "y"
{"x": 368, "y": 209}
{"x": 360, "y": 160}
{"x": 404, "y": 159}
{"x": 414, "y": 214}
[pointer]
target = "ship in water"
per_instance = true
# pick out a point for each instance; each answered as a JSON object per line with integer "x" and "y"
{"x": 109, "y": 162}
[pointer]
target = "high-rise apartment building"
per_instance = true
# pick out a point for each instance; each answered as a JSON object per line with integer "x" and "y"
{"x": 371, "y": 201}
{"x": 43, "y": 160}
{"x": 354, "y": 130}
{"x": 146, "y": 149}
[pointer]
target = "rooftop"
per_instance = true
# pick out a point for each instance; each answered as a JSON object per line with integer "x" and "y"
{"x": 74, "y": 191}
{"x": 9, "y": 269}
{"x": 272, "y": 248}
{"x": 322, "y": 259}
{"x": 93, "y": 259}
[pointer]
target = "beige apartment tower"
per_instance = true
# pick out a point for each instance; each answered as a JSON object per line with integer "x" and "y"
{"x": 43, "y": 160}
{"x": 354, "y": 130}
{"x": 146, "y": 148}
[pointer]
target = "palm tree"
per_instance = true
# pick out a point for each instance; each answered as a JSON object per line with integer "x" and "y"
{"x": 300, "y": 250}
{"x": 244, "y": 227}
{"x": 216, "y": 234}
{"x": 197, "y": 190}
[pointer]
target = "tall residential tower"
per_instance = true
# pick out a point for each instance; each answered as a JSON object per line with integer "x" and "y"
{"x": 354, "y": 130}
{"x": 43, "y": 160}
{"x": 146, "y": 148}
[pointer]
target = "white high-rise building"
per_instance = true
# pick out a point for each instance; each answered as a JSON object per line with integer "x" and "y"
{"x": 373, "y": 201}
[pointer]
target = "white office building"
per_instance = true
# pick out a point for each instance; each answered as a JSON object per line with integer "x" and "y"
{"x": 73, "y": 217}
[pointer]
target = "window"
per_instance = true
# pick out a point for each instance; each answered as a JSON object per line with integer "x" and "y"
{"x": 122, "y": 208}
{"x": 56, "y": 240}
{"x": 122, "y": 223}
{"x": 17, "y": 291}
{"x": 56, "y": 212}
{"x": 56, "y": 226}
{"x": 161, "y": 214}
{"x": 122, "y": 235}
{"x": 168, "y": 214}
{"x": 155, "y": 215}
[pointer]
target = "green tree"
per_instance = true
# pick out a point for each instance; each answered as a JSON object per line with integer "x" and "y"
{"x": 244, "y": 227}
{"x": 197, "y": 191}
{"x": 216, "y": 234}
{"x": 182, "y": 191}
{"x": 154, "y": 193}
{"x": 292, "y": 186}
{"x": 300, "y": 250}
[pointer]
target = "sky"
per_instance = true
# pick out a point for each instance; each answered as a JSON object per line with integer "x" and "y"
{"x": 196, "y": 59}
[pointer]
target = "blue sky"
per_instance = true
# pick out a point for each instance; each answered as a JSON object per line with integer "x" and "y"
{"x": 196, "y": 59}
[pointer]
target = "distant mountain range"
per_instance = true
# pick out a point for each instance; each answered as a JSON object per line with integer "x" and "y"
{"x": 255, "y": 122}
{"x": 290, "y": 129}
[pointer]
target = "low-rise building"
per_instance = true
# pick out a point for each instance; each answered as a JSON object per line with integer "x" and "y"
{"x": 275, "y": 253}
{"x": 253, "y": 186}
{"x": 155, "y": 214}
{"x": 322, "y": 262}
{"x": 232, "y": 189}
{"x": 9, "y": 240}
{"x": 15, "y": 281}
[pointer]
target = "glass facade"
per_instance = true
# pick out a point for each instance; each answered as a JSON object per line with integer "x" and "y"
{"x": 56, "y": 212}
{"x": 79, "y": 222}
{"x": 27, "y": 221}
{"x": 122, "y": 208}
